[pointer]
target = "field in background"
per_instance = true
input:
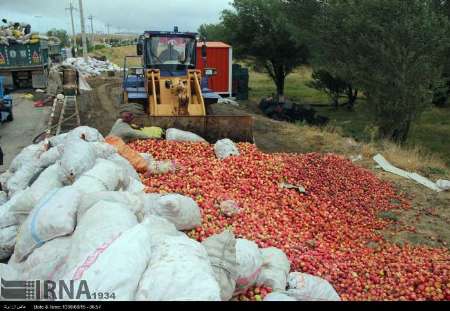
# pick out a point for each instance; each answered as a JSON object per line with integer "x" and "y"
{"x": 429, "y": 138}
{"x": 116, "y": 55}
{"x": 430, "y": 134}
{"x": 296, "y": 89}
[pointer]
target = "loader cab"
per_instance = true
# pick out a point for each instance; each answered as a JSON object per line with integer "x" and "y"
{"x": 173, "y": 53}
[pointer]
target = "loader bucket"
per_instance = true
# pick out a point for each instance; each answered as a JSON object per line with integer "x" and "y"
{"x": 212, "y": 128}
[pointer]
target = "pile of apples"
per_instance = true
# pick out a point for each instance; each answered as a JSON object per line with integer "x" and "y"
{"x": 256, "y": 293}
{"x": 326, "y": 221}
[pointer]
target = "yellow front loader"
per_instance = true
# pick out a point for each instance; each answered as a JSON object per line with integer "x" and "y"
{"x": 174, "y": 93}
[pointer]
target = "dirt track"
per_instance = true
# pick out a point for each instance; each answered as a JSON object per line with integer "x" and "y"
{"x": 430, "y": 213}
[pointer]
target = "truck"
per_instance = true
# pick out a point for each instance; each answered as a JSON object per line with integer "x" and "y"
{"x": 55, "y": 52}
{"x": 25, "y": 65}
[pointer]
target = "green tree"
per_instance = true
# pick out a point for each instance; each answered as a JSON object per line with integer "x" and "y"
{"x": 213, "y": 32}
{"x": 334, "y": 87}
{"x": 442, "y": 6}
{"x": 61, "y": 34}
{"x": 392, "y": 49}
{"x": 301, "y": 16}
{"x": 259, "y": 32}
{"x": 442, "y": 90}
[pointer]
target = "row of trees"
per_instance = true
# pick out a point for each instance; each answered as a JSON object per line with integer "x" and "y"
{"x": 396, "y": 52}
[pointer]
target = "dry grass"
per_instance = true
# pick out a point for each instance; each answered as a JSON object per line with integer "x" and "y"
{"x": 414, "y": 159}
{"x": 116, "y": 55}
{"x": 330, "y": 139}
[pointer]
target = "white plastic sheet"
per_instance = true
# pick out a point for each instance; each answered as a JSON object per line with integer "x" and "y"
{"x": 388, "y": 167}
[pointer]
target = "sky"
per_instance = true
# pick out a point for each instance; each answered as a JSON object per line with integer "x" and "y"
{"x": 122, "y": 15}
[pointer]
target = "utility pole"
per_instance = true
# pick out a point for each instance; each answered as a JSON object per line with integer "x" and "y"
{"x": 83, "y": 32}
{"x": 74, "y": 38}
{"x": 91, "y": 19}
{"x": 107, "y": 31}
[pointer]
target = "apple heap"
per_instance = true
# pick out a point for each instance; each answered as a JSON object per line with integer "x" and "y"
{"x": 256, "y": 293}
{"x": 327, "y": 230}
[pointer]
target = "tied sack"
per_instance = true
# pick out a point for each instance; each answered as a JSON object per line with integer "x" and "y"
{"x": 7, "y": 217}
{"x": 45, "y": 262}
{"x": 125, "y": 165}
{"x": 7, "y": 241}
{"x": 101, "y": 224}
{"x": 104, "y": 176}
{"x": 53, "y": 216}
{"x": 25, "y": 200}
{"x": 180, "y": 210}
{"x": 103, "y": 150}
{"x": 117, "y": 266}
{"x": 161, "y": 167}
{"x": 136, "y": 160}
{"x": 306, "y": 287}
{"x": 78, "y": 156}
{"x": 126, "y": 132}
{"x": 179, "y": 268}
{"x": 85, "y": 133}
{"x": 225, "y": 148}
{"x": 23, "y": 177}
{"x": 249, "y": 263}
{"x": 49, "y": 157}
{"x": 57, "y": 140}
{"x": 221, "y": 249}
{"x": 3, "y": 197}
{"x": 275, "y": 269}
{"x": 28, "y": 155}
{"x": 129, "y": 200}
{"x": 179, "y": 135}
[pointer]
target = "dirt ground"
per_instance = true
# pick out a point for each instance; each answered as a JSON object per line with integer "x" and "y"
{"x": 100, "y": 108}
{"x": 427, "y": 222}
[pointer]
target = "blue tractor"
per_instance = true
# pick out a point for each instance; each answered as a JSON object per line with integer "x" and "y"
{"x": 6, "y": 104}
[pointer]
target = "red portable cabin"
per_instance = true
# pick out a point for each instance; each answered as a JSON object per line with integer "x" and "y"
{"x": 220, "y": 57}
